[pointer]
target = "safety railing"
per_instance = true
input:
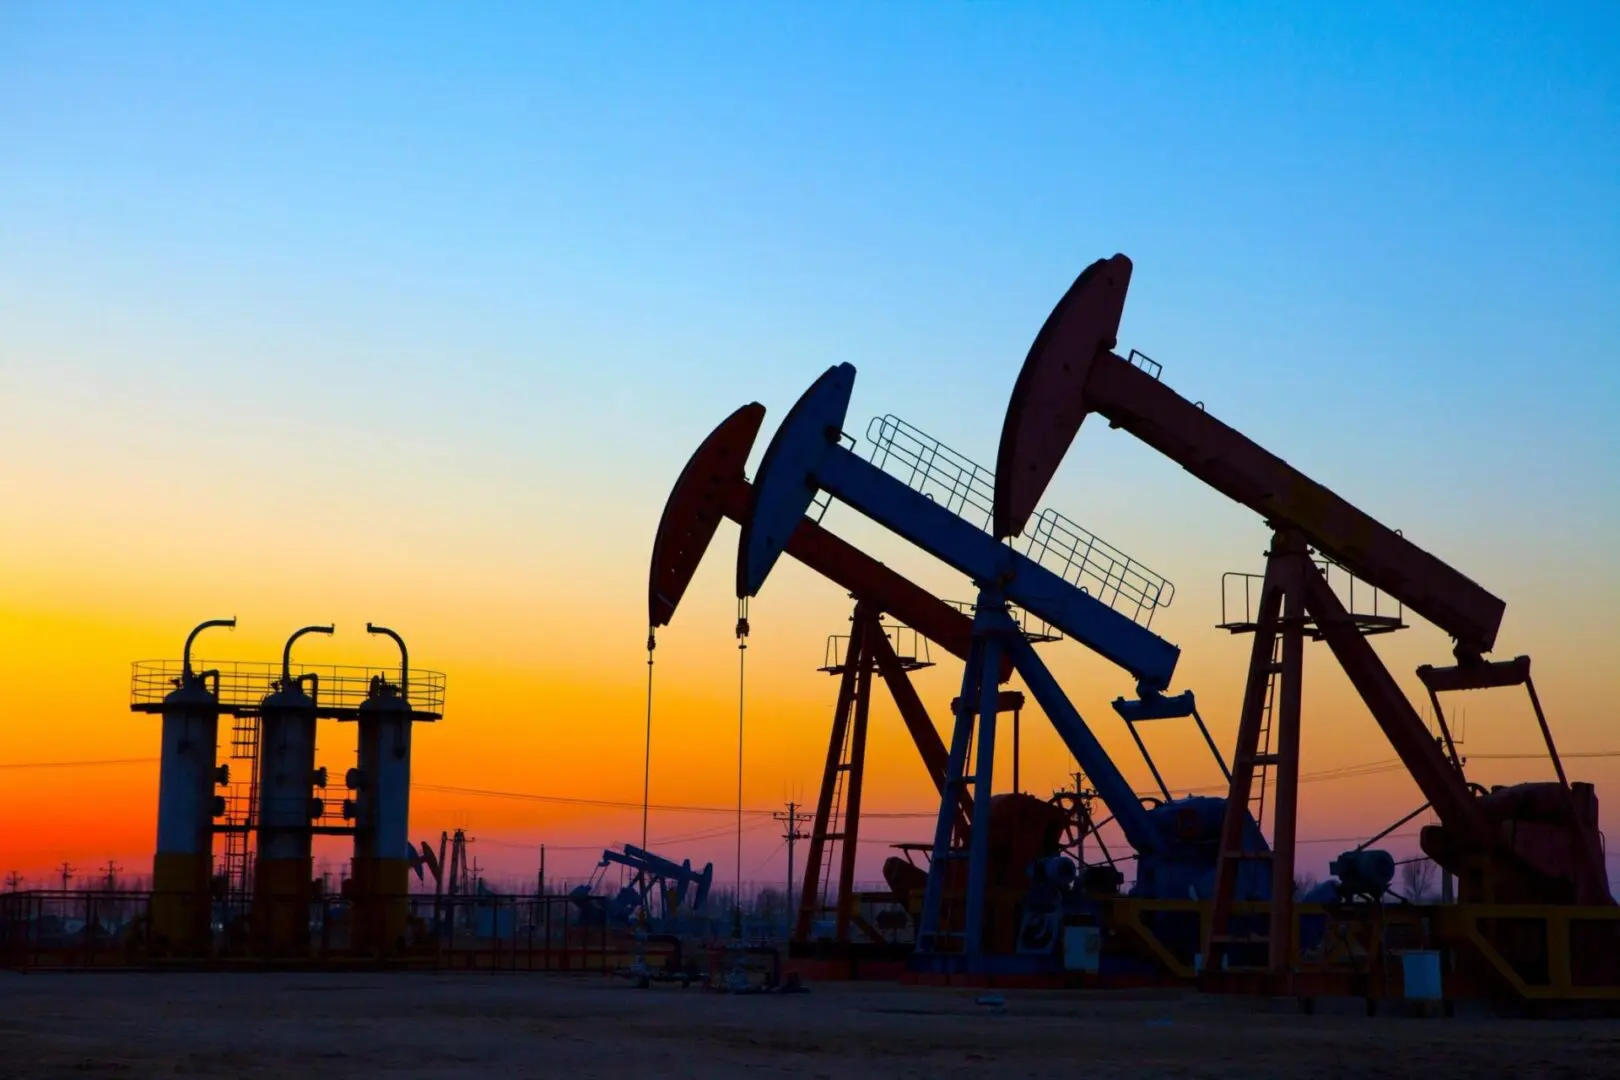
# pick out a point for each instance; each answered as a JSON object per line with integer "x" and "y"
{"x": 819, "y": 506}
{"x": 823, "y": 500}
{"x": 1240, "y": 600}
{"x": 910, "y": 648}
{"x": 931, "y": 468}
{"x": 1145, "y": 362}
{"x": 243, "y": 684}
{"x": 1095, "y": 566}
{"x": 967, "y": 489}
{"x": 1372, "y": 610}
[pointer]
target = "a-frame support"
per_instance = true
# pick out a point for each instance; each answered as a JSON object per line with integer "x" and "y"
{"x": 1297, "y": 603}
{"x": 868, "y": 653}
{"x": 846, "y": 763}
{"x": 977, "y": 702}
{"x": 1281, "y": 614}
{"x": 997, "y": 635}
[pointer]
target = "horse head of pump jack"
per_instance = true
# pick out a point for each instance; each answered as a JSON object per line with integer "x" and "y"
{"x": 1047, "y": 405}
{"x": 780, "y": 493}
{"x": 712, "y": 486}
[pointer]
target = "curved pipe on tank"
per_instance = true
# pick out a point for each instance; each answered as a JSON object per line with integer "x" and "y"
{"x": 404, "y": 657}
{"x": 185, "y": 655}
{"x": 286, "y": 652}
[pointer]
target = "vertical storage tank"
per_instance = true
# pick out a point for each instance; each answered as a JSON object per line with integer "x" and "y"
{"x": 382, "y": 786}
{"x": 182, "y": 869}
{"x": 282, "y": 889}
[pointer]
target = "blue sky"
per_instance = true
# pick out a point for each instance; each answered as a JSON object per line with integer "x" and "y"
{"x": 521, "y": 256}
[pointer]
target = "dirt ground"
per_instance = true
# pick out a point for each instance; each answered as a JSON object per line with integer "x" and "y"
{"x": 509, "y": 1026}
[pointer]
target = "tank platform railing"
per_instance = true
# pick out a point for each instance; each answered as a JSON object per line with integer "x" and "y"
{"x": 1097, "y": 567}
{"x": 243, "y": 684}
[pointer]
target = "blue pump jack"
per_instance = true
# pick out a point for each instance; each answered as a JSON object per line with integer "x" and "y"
{"x": 1176, "y": 841}
{"x": 673, "y": 880}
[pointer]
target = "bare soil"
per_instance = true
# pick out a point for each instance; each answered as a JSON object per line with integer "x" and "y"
{"x": 519, "y": 1025}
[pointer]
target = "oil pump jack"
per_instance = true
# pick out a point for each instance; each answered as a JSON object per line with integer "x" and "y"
{"x": 1535, "y": 915}
{"x": 1175, "y": 841}
{"x": 652, "y": 876}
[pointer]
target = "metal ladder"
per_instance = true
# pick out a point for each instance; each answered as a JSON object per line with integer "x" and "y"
{"x": 1264, "y": 758}
{"x": 243, "y": 797}
{"x": 833, "y": 841}
{"x": 1259, "y": 766}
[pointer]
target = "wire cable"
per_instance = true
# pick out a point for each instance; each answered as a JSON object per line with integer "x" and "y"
{"x": 89, "y": 764}
{"x": 742, "y": 655}
{"x": 646, "y": 765}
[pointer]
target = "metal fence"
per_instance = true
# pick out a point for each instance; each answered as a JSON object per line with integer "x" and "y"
{"x": 101, "y": 929}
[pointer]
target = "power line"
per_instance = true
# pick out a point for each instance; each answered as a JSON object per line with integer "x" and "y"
{"x": 646, "y": 767}
{"x": 1535, "y": 756}
{"x": 1344, "y": 772}
{"x": 660, "y": 841}
{"x": 88, "y": 764}
{"x": 567, "y": 800}
{"x": 1350, "y": 839}
{"x": 769, "y": 856}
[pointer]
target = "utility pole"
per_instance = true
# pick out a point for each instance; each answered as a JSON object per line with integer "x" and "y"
{"x": 112, "y": 869}
{"x": 542, "y": 891}
{"x": 14, "y": 881}
{"x": 67, "y": 875}
{"x": 791, "y": 819}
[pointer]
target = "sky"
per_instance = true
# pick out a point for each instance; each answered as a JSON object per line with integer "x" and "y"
{"x": 411, "y": 314}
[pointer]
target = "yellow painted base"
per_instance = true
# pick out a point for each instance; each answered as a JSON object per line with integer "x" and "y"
{"x": 282, "y": 895}
{"x": 182, "y": 906}
{"x": 380, "y": 888}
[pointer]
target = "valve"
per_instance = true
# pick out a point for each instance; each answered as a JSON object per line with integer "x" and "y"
{"x": 222, "y": 775}
{"x": 317, "y": 807}
{"x": 318, "y": 777}
{"x": 219, "y": 806}
{"x": 354, "y": 779}
{"x": 351, "y": 809}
